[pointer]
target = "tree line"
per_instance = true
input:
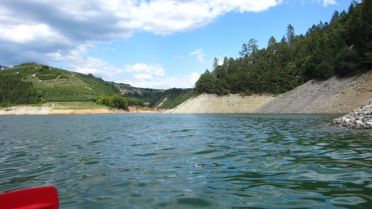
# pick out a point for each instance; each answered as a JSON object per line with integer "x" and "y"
{"x": 341, "y": 47}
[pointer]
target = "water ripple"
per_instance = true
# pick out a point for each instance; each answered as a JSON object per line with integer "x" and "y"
{"x": 188, "y": 161}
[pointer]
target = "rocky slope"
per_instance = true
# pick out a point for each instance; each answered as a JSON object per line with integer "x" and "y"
{"x": 234, "y": 103}
{"x": 360, "y": 118}
{"x": 335, "y": 95}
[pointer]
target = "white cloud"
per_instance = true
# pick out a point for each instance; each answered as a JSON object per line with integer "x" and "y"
{"x": 77, "y": 61}
{"x": 164, "y": 82}
{"x": 325, "y": 3}
{"x": 329, "y": 2}
{"x": 145, "y": 72}
{"x": 62, "y": 31}
{"x": 125, "y": 17}
{"x": 43, "y": 26}
{"x": 139, "y": 74}
{"x": 27, "y": 33}
{"x": 154, "y": 76}
{"x": 199, "y": 54}
{"x": 169, "y": 16}
{"x": 145, "y": 69}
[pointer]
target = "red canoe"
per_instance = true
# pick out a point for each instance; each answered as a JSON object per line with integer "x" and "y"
{"x": 45, "y": 197}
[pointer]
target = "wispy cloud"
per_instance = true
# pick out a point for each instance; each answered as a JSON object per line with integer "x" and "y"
{"x": 329, "y": 2}
{"x": 199, "y": 54}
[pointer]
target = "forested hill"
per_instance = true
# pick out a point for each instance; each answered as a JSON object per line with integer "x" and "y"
{"x": 342, "y": 47}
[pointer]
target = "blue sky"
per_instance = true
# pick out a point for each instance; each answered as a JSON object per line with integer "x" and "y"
{"x": 158, "y": 44}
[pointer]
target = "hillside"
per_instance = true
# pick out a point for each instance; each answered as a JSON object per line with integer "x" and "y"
{"x": 50, "y": 84}
{"x": 334, "y": 95}
{"x": 157, "y": 98}
{"x": 32, "y": 83}
{"x": 234, "y": 103}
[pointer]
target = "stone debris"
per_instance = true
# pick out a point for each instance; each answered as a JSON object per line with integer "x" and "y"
{"x": 360, "y": 118}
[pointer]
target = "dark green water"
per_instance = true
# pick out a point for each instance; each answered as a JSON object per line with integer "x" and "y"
{"x": 188, "y": 161}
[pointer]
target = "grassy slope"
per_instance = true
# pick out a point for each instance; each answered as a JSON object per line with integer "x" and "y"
{"x": 57, "y": 85}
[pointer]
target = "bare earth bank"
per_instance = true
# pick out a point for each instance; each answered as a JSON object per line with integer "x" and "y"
{"x": 233, "y": 103}
{"x": 335, "y": 95}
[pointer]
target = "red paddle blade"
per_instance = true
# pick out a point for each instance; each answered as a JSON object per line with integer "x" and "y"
{"x": 45, "y": 197}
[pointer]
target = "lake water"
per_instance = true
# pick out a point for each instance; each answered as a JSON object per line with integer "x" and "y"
{"x": 188, "y": 161}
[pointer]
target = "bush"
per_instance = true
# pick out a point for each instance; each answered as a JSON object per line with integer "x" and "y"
{"x": 346, "y": 62}
{"x": 135, "y": 102}
{"x": 115, "y": 101}
{"x": 323, "y": 70}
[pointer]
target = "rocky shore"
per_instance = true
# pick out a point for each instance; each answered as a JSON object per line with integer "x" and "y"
{"x": 360, "y": 118}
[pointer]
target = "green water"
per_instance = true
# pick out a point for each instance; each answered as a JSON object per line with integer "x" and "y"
{"x": 188, "y": 161}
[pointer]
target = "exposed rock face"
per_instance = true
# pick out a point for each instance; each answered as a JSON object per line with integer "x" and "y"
{"x": 360, "y": 118}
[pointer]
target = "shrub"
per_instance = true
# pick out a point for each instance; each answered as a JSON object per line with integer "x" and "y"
{"x": 115, "y": 101}
{"x": 135, "y": 102}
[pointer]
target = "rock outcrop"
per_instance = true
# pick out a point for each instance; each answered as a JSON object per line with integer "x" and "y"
{"x": 360, "y": 118}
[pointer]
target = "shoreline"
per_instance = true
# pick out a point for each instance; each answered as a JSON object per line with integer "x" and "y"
{"x": 23, "y": 110}
{"x": 48, "y": 109}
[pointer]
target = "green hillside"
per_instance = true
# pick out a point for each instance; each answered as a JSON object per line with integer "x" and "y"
{"x": 157, "y": 98}
{"x": 32, "y": 83}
